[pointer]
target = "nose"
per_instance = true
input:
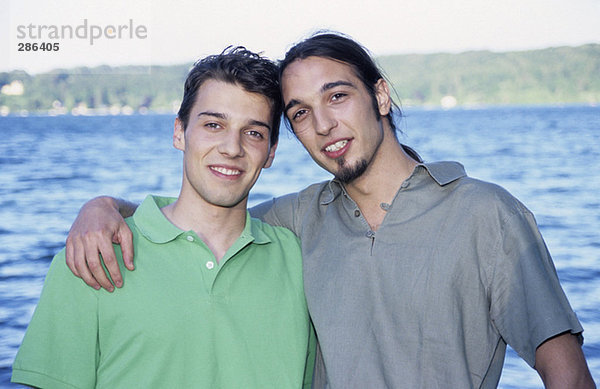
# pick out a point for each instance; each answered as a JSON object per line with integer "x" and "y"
{"x": 231, "y": 144}
{"x": 323, "y": 121}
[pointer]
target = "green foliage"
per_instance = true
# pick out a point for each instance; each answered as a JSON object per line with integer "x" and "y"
{"x": 153, "y": 88}
{"x": 554, "y": 75}
{"x": 550, "y": 76}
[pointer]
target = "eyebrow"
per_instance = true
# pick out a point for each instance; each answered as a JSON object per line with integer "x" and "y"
{"x": 223, "y": 116}
{"x": 324, "y": 88}
{"x": 213, "y": 114}
{"x": 331, "y": 85}
{"x": 259, "y": 123}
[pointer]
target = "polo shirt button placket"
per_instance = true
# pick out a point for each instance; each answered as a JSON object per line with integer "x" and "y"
{"x": 371, "y": 235}
{"x": 209, "y": 264}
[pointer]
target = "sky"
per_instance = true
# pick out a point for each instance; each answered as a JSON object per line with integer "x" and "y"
{"x": 159, "y": 32}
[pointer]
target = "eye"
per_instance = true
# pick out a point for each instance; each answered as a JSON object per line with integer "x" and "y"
{"x": 338, "y": 96}
{"x": 298, "y": 114}
{"x": 255, "y": 134}
{"x": 212, "y": 125}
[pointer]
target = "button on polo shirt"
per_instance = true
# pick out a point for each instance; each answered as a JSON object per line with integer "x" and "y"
{"x": 178, "y": 321}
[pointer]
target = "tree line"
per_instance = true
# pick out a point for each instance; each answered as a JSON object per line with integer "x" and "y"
{"x": 560, "y": 75}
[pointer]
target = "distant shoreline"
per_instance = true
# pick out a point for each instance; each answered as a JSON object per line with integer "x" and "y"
{"x": 404, "y": 108}
{"x": 557, "y": 76}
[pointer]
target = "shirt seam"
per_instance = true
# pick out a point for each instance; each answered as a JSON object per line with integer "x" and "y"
{"x": 46, "y": 375}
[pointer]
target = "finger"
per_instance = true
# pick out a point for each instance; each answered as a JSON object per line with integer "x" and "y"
{"x": 69, "y": 257}
{"x": 81, "y": 266}
{"x": 94, "y": 265}
{"x": 110, "y": 261}
{"x": 126, "y": 240}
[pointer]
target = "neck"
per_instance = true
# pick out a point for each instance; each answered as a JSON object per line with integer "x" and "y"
{"x": 218, "y": 227}
{"x": 389, "y": 168}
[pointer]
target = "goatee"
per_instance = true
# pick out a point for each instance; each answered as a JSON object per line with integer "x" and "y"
{"x": 349, "y": 173}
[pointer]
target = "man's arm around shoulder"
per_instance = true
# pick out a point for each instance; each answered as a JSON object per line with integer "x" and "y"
{"x": 99, "y": 224}
{"x": 279, "y": 211}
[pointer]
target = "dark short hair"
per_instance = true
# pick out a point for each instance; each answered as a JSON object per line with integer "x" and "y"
{"x": 341, "y": 48}
{"x": 238, "y": 66}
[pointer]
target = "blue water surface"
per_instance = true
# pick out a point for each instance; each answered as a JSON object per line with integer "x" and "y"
{"x": 548, "y": 157}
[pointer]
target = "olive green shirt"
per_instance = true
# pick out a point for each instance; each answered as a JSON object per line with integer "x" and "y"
{"x": 182, "y": 320}
{"x": 456, "y": 271}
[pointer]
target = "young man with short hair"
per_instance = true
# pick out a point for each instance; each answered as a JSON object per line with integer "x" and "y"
{"x": 217, "y": 299}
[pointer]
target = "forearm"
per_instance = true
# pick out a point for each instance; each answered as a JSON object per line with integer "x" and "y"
{"x": 125, "y": 208}
{"x": 574, "y": 380}
{"x": 561, "y": 363}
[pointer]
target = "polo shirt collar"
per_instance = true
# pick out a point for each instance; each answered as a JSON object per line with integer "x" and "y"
{"x": 155, "y": 227}
{"x": 443, "y": 173}
{"x": 333, "y": 190}
{"x": 152, "y": 223}
{"x": 254, "y": 232}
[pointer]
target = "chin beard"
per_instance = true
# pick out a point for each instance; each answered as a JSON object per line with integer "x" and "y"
{"x": 346, "y": 174}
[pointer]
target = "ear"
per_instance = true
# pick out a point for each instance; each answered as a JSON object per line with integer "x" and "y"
{"x": 382, "y": 94}
{"x": 270, "y": 157}
{"x": 178, "y": 135}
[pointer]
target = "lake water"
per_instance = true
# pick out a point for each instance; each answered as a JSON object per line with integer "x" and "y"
{"x": 548, "y": 157}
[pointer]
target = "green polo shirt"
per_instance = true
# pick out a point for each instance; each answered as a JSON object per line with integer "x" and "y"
{"x": 182, "y": 320}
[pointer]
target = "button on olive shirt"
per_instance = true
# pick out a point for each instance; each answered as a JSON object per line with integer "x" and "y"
{"x": 457, "y": 270}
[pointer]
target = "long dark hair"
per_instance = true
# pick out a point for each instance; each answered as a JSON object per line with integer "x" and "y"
{"x": 341, "y": 48}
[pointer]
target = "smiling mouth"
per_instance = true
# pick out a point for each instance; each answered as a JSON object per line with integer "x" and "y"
{"x": 336, "y": 146}
{"x": 225, "y": 171}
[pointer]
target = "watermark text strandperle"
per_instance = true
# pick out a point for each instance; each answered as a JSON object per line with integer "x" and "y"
{"x": 90, "y": 32}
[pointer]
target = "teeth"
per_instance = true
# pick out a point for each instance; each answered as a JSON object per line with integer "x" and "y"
{"x": 336, "y": 146}
{"x": 227, "y": 172}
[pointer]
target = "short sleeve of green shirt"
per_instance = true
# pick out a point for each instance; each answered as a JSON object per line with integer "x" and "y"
{"x": 65, "y": 319}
